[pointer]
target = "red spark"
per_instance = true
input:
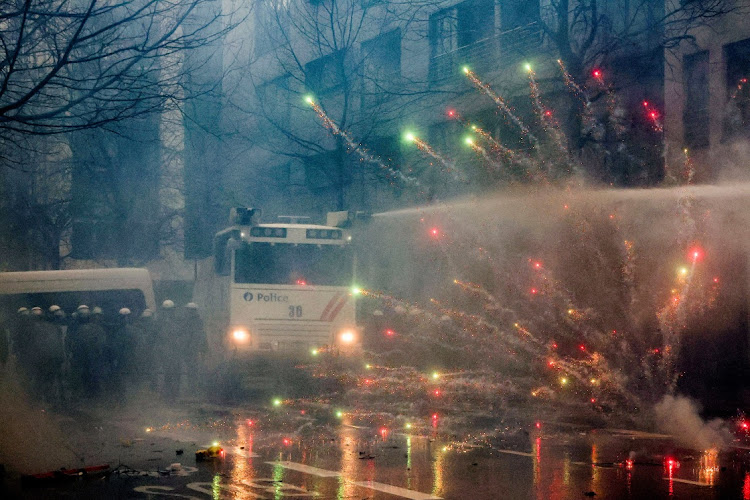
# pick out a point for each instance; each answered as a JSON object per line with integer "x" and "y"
{"x": 656, "y": 351}
{"x": 302, "y": 412}
{"x": 538, "y": 425}
{"x": 696, "y": 253}
{"x": 548, "y": 113}
{"x": 250, "y": 422}
{"x": 629, "y": 464}
{"x": 597, "y": 73}
{"x": 645, "y": 104}
{"x": 537, "y": 265}
{"x": 551, "y": 362}
{"x": 565, "y": 207}
{"x": 534, "y": 291}
{"x": 301, "y": 282}
{"x": 593, "y": 400}
{"x": 451, "y": 113}
{"x": 390, "y": 333}
{"x": 654, "y": 115}
{"x": 286, "y": 441}
{"x": 745, "y": 425}
{"x": 716, "y": 280}
{"x": 434, "y": 416}
{"x": 582, "y": 347}
{"x": 383, "y": 432}
{"x": 435, "y": 232}
{"x": 554, "y": 345}
{"x": 436, "y": 392}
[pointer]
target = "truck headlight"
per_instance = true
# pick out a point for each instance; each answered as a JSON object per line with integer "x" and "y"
{"x": 240, "y": 335}
{"x": 347, "y": 337}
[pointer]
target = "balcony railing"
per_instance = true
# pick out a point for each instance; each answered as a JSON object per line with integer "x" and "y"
{"x": 488, "y": 55}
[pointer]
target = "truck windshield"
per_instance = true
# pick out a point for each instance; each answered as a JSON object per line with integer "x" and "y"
{"x": 287, "y": 264}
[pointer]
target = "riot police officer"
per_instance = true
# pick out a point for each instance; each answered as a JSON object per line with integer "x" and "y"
{"x": 168, "y": 338}
{"x": 86, "y": 347}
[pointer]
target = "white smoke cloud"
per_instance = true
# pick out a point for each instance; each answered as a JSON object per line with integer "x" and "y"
{"x": 680, "y": 417}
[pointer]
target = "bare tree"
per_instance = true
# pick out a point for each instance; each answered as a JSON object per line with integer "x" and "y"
{"x": 627, "y": 38}
{"x": 343, "y": 57}
{"x": 72, "y": 66}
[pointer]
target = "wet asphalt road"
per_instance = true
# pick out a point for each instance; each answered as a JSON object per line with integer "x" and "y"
{"x": 348, "y": 459}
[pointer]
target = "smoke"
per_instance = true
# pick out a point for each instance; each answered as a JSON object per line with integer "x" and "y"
{"x": 579, "y": 297}
{"x": 680, "y": 417}
{"x": 31, "y": 440}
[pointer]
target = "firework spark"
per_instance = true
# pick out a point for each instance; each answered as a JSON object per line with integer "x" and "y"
{"x": 500, "y": 102}
{"x": 363, "y": 153}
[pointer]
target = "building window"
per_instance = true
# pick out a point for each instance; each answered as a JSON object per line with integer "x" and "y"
{"x": 696, "y": 116}
{"x": 381, "y": 67}
{"x": 476, "y": 20}
{"x": 325, "y": 74}
{"x": 275, "y": 97}
{"x": 517, "y": 13}
{"x": 459, "y": 31}
{"x": 461, "y": 25}
{"x": 268, "y": 26}
{"x": 443, "y": 32}
{"x": 737, "y": 113}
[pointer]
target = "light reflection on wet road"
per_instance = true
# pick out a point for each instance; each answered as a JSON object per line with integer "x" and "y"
{"x": 353, "y": 460}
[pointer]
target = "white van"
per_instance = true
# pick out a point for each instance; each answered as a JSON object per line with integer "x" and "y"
{"x": 110, "y": 289}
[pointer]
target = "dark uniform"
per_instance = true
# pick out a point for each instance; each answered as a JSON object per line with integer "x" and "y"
{"x": 21, "y": 342}
{"x": 145, "y": 373}
{"x": 169, "y": 338}
{"x": 49, "y": 357}
{"x": 86, "y": 347}
{"x": 196, "y": 345}
{"x": 6, "y": 331}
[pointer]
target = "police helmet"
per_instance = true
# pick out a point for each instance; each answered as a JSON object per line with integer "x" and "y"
{"x": 147, "y": 313}
{"x": 53, "y": 309}
{"x": 191, "y": 305}
{"x": 96, "y": 310}
{"x": 124, "y": 311}
{"x": 23, "y": 311}
{"x": 36, "y": 311}
{"x": 167, "y": 304}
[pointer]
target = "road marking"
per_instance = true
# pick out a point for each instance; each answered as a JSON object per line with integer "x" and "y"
{"x": 514, "y": 452}
{"x": 372, "y": 485}
{"x": 234, "y": 491}
{"x": 307, "y": 469}
{"x": 278, "y": 488}
{"x": 394, "y": 490}
{"x": 687, "y": 481}
{"x": 163, "y": 491}
{"x": 638, "y": 434}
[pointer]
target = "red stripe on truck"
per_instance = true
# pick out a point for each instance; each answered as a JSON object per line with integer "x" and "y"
{"x": 329, "y": 306}
{"x": 338, "y": 308}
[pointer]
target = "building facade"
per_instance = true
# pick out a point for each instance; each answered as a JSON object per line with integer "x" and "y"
{"x": 379, "y": 70}
{"x": 707, "y": 110}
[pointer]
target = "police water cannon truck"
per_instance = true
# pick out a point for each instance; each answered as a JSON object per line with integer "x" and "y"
{"x": 284, "y": 286}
